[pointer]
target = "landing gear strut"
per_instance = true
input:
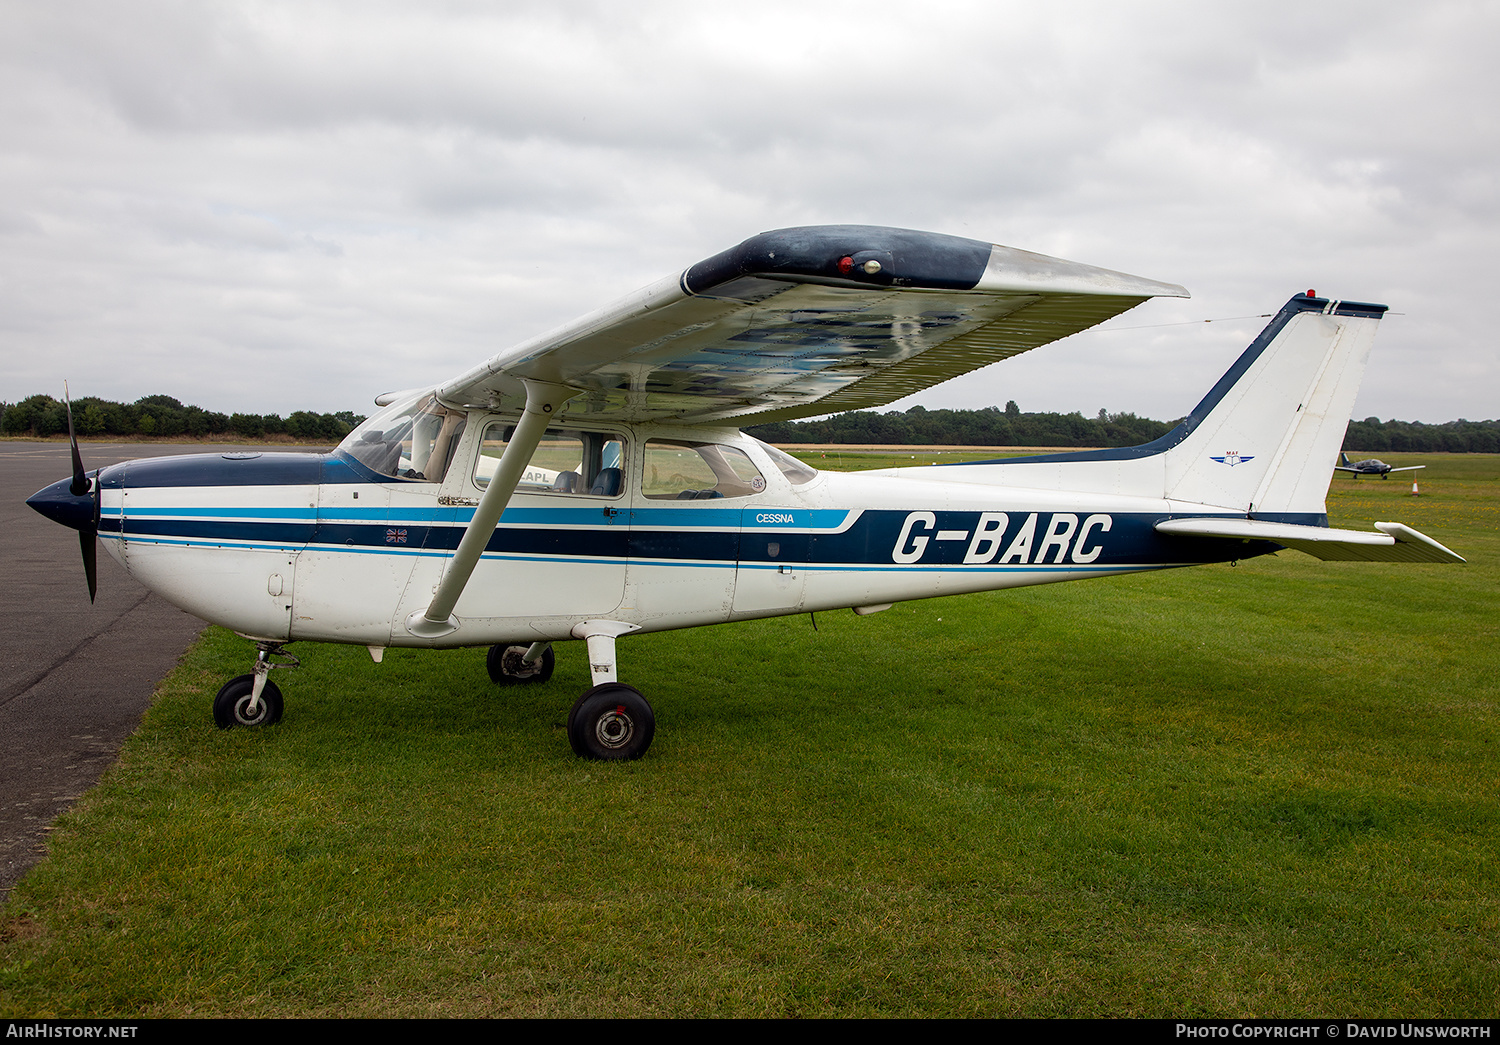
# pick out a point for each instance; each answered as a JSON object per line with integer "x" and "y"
{"x": 254, "y": 700}
{"x": 612, "y": 721}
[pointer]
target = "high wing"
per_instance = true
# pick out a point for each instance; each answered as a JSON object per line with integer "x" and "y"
{"x": 807, "y": 321}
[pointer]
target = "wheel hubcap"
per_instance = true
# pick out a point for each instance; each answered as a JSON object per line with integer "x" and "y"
{"x": 242, "y": 712}
{"x": 614, "y": 728}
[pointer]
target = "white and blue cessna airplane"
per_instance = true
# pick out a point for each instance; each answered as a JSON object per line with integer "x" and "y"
{"x": 593, "y": 482}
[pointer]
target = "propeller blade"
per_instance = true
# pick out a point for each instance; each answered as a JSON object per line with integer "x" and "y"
{"x": 88, "y": 543}
{"x": 80, "y": 478}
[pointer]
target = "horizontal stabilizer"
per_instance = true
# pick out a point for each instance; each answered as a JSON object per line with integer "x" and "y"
{"x": 1394, "y": 542}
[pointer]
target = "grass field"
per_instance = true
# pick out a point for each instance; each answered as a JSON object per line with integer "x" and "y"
{"x": 1261, "y": 790}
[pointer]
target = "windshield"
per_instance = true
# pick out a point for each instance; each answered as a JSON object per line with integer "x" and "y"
{"x": 410, "y": 440}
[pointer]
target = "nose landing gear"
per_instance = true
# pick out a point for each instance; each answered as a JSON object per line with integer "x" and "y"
{"x": 254, "y": 700}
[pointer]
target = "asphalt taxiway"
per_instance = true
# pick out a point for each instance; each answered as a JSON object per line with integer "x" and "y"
{"x": 75, "y": 678}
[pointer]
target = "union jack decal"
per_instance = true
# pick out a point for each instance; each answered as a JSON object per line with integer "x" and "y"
{"x": 394, "y": 536}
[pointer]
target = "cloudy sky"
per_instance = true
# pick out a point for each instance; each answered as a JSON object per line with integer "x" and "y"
{"x": 281, "y": 206}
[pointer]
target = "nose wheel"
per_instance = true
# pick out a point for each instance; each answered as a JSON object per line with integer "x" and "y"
{"x": 234, "y": 706}
{"x": 253, "y": 699}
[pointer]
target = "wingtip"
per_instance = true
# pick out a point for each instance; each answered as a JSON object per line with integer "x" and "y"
{"x": 1021, "y": 270}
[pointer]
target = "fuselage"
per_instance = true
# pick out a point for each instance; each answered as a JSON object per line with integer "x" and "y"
{"x": 692, "y": 528}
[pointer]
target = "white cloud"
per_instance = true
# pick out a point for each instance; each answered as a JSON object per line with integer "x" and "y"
{"x": 277, "y": 206}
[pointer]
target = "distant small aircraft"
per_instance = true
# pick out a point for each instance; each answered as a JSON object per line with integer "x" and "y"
{"x": 593, "y": 482}
{"x": 1371, "y": 466}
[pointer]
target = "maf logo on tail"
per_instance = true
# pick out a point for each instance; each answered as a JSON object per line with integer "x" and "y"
{"x": 1233, "y": 457}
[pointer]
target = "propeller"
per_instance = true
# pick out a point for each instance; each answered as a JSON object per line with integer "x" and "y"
{"x": 88, "y": 533}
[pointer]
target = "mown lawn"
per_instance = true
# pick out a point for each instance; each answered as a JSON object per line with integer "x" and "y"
{"x": 1259, "y": 790}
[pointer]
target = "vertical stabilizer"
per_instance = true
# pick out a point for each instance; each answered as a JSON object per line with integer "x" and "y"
{"x": 1265, "y": 439}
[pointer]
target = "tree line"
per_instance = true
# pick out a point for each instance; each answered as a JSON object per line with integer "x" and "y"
{"x": 161, "y": 415}
{"x": 988, "y": 427}
{"x": 1011, "y": 427}
{"x": 1454, "y": 437}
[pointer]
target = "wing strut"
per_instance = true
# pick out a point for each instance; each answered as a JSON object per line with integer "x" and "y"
{"x": 542, "y": 401}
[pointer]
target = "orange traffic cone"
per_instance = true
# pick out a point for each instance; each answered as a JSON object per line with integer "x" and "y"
{"x": 1414, "y": 491}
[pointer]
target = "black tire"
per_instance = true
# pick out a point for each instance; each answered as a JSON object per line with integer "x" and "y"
{"x": 505, "y": 667}
{"x": 611, "y": 722}
{"x": 229, "y": 705}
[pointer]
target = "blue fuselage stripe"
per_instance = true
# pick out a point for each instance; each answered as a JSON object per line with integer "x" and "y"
{"x": 878, "y": 539}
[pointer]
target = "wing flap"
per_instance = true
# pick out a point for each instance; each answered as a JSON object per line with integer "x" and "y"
{"x": 808, "y": 321}
{"x": 1394, "y": 542}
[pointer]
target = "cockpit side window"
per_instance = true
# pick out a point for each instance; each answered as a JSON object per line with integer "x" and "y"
{"x": 566, "y": 461}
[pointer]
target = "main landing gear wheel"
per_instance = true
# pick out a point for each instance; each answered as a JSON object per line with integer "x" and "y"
{"x": 231, "y": 706}
{"x": 507, "y": 667}
{"x": 612, "y": 721}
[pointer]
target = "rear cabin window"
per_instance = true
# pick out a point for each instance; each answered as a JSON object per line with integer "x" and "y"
{"x": 795, "y": 471}
{"x": 682, "y": 471}
{"x": 566, "y": 461}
